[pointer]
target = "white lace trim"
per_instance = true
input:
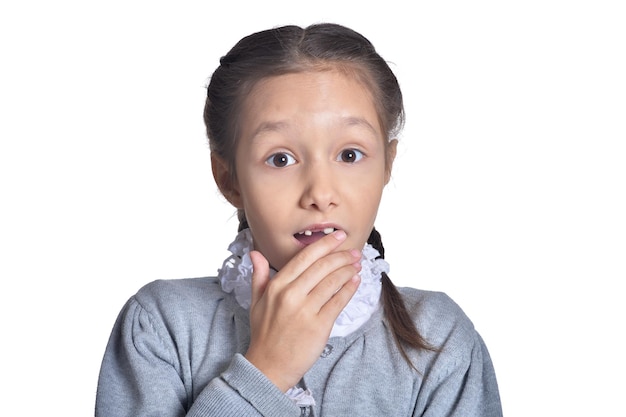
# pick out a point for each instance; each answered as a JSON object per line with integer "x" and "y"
{"x": 236, "y": 276}
{"x": 300, "y": 397}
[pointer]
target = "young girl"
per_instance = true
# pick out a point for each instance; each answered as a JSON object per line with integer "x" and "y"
{"x": 302, "y": 319}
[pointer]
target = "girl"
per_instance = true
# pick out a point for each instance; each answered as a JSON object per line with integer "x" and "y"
{"x": 302, "y": 319}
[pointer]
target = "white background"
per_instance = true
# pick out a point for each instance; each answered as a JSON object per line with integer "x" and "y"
{"x": 508, "y": 192}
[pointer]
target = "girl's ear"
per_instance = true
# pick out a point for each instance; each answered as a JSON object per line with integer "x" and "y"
{"x": 392, "y": 147}
{"x": 224, "y": 180}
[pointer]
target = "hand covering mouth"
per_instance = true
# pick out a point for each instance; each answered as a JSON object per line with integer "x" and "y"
{"x": 307, "y": 237}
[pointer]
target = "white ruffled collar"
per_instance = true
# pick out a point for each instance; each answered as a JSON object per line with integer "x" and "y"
{"x": 236, "y": 277}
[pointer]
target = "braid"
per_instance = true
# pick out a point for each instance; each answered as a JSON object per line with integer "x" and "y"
{"x": 243, "y": 222}
{"x": 402, "y": 326}
{"x": 376, "y": 242}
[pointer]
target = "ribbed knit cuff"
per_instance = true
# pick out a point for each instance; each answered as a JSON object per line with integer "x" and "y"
{"x": 259, "y": 391}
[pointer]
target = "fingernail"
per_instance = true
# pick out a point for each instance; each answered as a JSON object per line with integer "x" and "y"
{"x": 355, "y": 253}
{"x": 340, "y": 235}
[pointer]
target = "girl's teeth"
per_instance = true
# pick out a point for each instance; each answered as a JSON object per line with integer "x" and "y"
{"x": 326, "y": 231}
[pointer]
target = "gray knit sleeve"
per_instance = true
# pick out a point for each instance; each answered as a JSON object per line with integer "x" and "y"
{"x": 141, "y": 376}
{"x": 465, "y": 387}
{"x": 139, "y": 372}
{"x": 242, "y": 390}
{"x": 457, "y": 378}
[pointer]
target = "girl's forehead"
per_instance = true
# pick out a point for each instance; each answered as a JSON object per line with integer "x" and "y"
{"x": 350, "y": 70}
{"x": 309, "y": 94}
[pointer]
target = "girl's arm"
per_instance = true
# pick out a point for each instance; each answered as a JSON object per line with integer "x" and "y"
{"x": 141, "y": 376}
{"x": 243, "y": 391}
{"x": 465, "y": 388}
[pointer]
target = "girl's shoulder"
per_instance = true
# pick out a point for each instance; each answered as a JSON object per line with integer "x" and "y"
{"x": 438, "y": 317}
{"x": 188, "y": 289}
{"x": 181, "y": 297}
{"x": 425, "y": 301}
{"x": 183, "y": 285}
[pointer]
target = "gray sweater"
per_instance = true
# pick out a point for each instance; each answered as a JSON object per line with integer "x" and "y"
{"x": 176, "y": 349}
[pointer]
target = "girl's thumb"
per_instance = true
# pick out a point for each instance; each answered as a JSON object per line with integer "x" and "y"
{"x": 260, "y": 275}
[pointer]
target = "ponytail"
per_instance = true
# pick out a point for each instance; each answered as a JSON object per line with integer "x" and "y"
{"x": 243, "y": 222}
{"x": 402, "y": 326}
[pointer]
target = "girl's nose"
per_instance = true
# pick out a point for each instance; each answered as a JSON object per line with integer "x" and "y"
{"x": 319, "y": 188}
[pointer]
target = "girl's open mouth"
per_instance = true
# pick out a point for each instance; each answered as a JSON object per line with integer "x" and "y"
{"x": 307, "y": 237}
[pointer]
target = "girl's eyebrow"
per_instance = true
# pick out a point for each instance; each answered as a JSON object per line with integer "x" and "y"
{"x": 359, "y": 121}
{"x": 269, "y": 126}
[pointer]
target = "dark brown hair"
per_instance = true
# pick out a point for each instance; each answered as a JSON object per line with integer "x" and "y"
{"x": 292, "y": 49}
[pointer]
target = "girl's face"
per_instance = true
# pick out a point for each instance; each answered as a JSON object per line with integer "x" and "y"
{"x": 311, "y": 158}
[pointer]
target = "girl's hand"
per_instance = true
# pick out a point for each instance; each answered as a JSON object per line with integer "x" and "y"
{"x": 291, "y": 316}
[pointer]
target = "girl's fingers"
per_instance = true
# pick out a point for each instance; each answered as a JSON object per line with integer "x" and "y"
{"x": 332, "y": 283}
{"x": 328, "y": 273}
{"x": 312, "y": 253}
{"x": 331, "y": 309}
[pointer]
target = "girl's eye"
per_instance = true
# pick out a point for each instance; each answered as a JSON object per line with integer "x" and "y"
{"x": 350, "y": 155}
{"x": 280, "y": 160}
